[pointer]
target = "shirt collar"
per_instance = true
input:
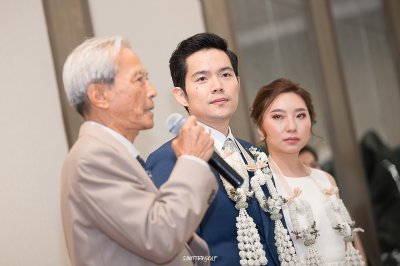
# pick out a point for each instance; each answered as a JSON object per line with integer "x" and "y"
{"x": 121, "y": 139}
{"x": 219, "y": 138}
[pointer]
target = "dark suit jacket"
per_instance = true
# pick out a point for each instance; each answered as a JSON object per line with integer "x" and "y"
{"x": 114, "y": 215}
{"x": 218, "y": 227}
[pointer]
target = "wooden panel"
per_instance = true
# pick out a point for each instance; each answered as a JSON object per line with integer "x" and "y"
{"x": 392, "y": 11}
{"x": 348, "y": 165}
{"x": 68, "y": 24}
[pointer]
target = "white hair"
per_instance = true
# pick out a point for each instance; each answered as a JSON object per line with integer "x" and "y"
{"x": 93, "y": 61}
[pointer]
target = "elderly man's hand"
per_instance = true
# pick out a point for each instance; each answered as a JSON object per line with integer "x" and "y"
{"x": 193, "y": 139}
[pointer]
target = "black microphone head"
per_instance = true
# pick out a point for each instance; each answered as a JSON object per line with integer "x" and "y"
{"x": 174, "y": 123}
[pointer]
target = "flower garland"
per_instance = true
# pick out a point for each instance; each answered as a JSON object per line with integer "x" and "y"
{"x": 308, "y": 233}
{"x": 251, "y": 252}
{"x": 273, "y": 205}
{"x": 335, "y": 210}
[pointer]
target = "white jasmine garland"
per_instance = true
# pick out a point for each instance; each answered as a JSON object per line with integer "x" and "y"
{"x": 251, "y": 250}
{"x": 339, "y": 219}
{"x": 307, "y": 234}
{"x": 248, "y": 237}
{"x": 273, "y": 205}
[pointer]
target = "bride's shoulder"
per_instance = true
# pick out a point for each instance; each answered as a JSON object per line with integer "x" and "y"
{"x": 322, "y": 175}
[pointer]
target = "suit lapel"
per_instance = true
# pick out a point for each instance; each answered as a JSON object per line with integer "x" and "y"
{"x": 88, "y": 129}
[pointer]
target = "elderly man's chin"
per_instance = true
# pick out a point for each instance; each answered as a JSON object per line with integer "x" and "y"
{"x": 149, "y": 121}
{"x": 148, "y": 126}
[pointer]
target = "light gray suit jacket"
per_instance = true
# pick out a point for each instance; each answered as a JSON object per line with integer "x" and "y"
{"x": 113, "y": 215}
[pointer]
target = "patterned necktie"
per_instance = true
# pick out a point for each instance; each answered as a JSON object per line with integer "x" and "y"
{"x": 229, "y": 147}
{"x": 143, "y": 164}
{"x": 231, "y": 154}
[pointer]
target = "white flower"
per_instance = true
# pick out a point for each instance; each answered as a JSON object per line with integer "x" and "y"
{"x": 257, "y": 174}
{"x": 254, "y": 151}
{"x": 262, "y": 157}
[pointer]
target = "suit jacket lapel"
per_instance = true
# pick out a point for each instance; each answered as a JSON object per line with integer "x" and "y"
{"x": 88, "y": 129}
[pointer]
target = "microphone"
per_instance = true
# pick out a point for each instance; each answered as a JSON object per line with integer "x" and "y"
{"x": 174, "y": 123}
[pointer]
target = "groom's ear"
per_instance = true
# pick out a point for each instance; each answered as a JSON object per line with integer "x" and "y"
{"x": 180, "y": 96}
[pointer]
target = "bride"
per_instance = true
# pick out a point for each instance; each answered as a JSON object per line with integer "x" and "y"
{"x": 319, "y": 224}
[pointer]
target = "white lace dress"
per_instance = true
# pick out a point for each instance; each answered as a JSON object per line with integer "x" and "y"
{"x": 329, "y": 244}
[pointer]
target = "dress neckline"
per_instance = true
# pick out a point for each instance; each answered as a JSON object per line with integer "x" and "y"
{"x": 298, "y": 177}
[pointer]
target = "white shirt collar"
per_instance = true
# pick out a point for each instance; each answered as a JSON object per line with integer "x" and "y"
{"x": 124, "y": 141}
{"x": 219, "y": 138}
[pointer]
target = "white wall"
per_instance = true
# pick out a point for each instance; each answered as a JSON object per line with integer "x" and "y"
{"x": 154, "y": 28}
{"x": 32, "y": 138}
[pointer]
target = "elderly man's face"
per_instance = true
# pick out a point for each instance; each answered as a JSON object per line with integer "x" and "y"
{"x": 131, "y": 95}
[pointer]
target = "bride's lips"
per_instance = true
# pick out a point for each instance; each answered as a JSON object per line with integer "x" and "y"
{"x": 291, "y": 140}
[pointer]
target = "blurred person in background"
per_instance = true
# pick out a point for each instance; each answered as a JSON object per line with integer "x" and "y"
{"x": 309, "y": 157}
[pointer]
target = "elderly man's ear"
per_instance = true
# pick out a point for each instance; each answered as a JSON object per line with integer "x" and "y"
{"x": 98, "y": 95}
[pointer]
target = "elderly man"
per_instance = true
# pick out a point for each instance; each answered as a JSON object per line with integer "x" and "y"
{"x": 112, "y": 212}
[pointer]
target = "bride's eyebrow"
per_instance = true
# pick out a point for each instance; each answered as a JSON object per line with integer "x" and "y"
{"x": 278, "y": 110}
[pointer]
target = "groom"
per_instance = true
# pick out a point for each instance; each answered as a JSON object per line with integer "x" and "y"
{"x": 205, "y": 75}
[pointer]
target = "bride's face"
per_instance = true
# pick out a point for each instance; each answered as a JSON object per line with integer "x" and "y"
{"x": 286, "y": 124}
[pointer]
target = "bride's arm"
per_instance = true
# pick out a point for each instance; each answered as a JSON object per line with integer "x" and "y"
{"x": 357, "y": 242}
{"x": 358, "y": 245}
